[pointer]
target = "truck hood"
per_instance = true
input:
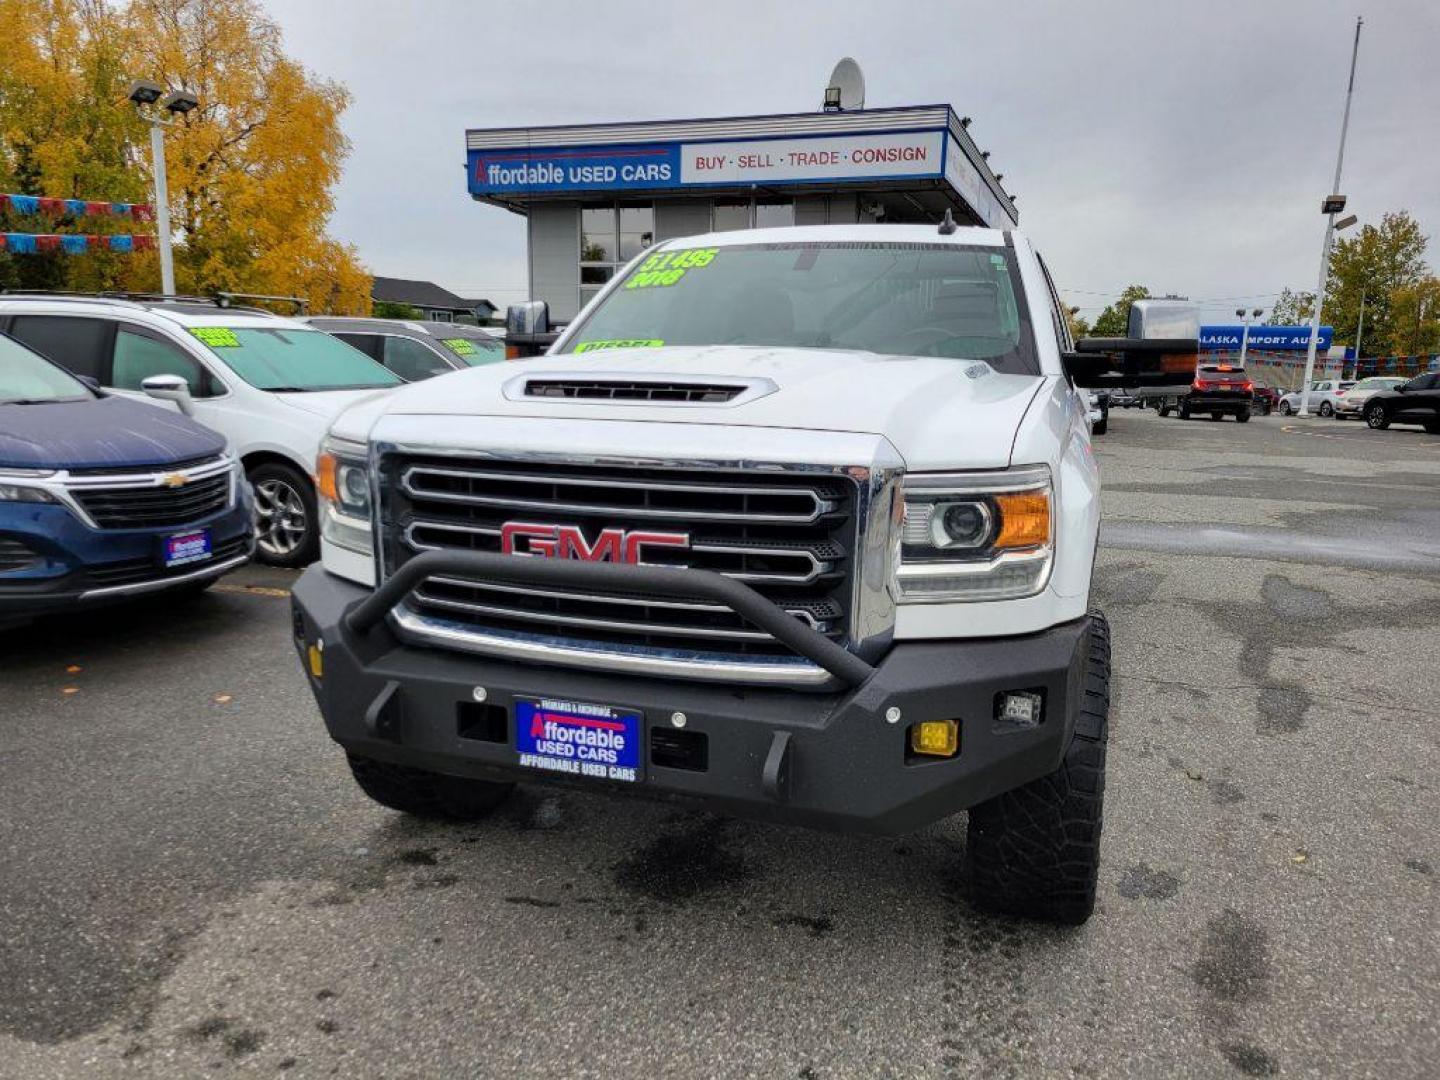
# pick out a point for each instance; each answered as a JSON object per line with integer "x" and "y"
{"x": 98, "y": 433}
{"x": 938, "y": 413}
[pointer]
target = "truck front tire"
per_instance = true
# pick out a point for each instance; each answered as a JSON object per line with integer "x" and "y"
{"x": 1035, "y": 851}
{"x": 426, "y": 794}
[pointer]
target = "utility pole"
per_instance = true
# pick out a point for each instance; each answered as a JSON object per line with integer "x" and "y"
{"x": 1359, "y": 332}
{"x": 1332, "y": 205}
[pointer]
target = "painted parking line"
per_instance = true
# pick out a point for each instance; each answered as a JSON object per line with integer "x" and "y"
{"x": 1291, "y": 430}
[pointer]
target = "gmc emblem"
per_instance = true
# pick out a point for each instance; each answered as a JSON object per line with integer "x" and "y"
{"x": 568, "y": 542}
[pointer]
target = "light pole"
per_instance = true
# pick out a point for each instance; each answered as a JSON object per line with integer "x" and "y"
{"x": 1245, "y": 318}
{"x": 1332, "y": 205}
{"x": 146, "y": 94}
{"x": 1359, "y": 334}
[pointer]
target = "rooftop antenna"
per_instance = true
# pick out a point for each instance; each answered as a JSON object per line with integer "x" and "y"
{"x": 846, "y": 89}
{"x": 947, "y": 223}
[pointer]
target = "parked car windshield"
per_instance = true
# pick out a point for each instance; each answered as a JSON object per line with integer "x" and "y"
{"x": 474, "y": 351}
{"x": 26, "y": 376}
{"x": 288, "y": 359}
{"x": 1379, "y": 384}
{"x": 962, "y": 302}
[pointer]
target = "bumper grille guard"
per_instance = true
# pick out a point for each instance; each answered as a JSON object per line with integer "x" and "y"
{"x": 676, "y": 582}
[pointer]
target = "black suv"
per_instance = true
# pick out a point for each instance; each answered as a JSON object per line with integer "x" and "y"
{"x": 1417, "y": 402}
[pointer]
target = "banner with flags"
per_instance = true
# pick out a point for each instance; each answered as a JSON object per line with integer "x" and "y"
{"x": 76, "y": 208}
{"x": 73, "y": 243}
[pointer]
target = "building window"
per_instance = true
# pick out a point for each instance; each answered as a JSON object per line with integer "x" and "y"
{"x": 730, "y": 214}
{"x": 774, "y": 213}
{"x": 610, "y": 236}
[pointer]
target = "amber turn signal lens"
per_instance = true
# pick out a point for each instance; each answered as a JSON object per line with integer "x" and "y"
{"x": 1024, "y": 520}
{"x": 315, "y": 656}
{"x": 326, "y": 468}
{"x": 935, "y": 738}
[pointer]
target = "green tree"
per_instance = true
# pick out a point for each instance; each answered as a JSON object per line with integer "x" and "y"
{"x": 1374, "y": 264}
{"x": 1078, "y": 326}
{"x": 1114, "y": 321}
{"x": 389, "y": 309}
{"x": 1415, "y": 319}
{"x": 1292, "y": 308}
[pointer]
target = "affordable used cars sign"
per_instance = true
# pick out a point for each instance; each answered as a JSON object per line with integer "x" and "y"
{"x": 676, "y": 165}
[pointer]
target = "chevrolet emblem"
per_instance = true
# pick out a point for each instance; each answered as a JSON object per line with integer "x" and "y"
{"x": 174, "y": 480}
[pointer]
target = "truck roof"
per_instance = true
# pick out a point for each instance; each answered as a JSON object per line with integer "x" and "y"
{"x": 182, "y": 311}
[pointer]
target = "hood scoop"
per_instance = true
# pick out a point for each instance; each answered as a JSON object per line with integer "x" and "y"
{"x": 638, "y": 389}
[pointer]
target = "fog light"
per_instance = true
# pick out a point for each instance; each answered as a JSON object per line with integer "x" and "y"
{"x": 316, "y": 655}
{"x": 937, "y": 738}
{"x": 1019, "y": 708}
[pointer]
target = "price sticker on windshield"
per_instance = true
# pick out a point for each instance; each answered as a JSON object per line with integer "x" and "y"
{"x": 666, "y": 268}
{"x": 459, "y": 345}
{"x": 217, "y": 337}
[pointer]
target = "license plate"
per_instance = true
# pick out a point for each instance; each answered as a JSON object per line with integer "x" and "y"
{"x": 187, "y": 547}
{"x": 597, "y": 741}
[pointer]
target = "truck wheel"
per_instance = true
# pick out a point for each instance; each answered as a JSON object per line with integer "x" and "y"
{"x": 1101, "y": 426}
{"x": 1035, "y": 851}
{"x": 1184, "y": 413}
{"x": 1163, "y": 410}
{"x": 426, "y": 794}
{"x": 1243, "y": 417}
{"x": 287, "y": 520}
{"x": 1433, "y": 426}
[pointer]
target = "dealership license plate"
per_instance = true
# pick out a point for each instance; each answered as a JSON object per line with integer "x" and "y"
{"x": 187, "y": 547}
{"x": 570, "y": 737}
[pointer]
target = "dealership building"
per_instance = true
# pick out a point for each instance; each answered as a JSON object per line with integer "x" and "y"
{"x": 594, "y": 196}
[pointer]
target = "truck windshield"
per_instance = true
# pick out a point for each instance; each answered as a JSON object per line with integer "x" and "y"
{"x": 27, "y": 377}
{"x": 963, "y": 302}
{"x": 287, "y": 359}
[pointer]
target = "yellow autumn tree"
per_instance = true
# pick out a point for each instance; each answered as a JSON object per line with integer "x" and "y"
{"x": 250, "y": 171}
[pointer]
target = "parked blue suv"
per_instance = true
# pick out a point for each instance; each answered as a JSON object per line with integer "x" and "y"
{"x": 104, "y": 498}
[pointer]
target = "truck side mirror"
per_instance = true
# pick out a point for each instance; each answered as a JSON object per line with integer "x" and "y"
{"x": 1115, "y": 362}
{"x": 532, "y": 317}
{"x": 170, "y": 388}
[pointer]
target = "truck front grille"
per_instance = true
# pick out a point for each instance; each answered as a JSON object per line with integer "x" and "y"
{"x": 789, "y": 535}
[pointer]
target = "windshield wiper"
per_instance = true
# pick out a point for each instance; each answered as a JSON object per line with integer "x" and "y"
{"x": 289, "y": 389}
{"x": 37, "y": 401}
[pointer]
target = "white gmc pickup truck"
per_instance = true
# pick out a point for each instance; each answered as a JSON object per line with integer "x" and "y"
{"x": 791, "y": 523}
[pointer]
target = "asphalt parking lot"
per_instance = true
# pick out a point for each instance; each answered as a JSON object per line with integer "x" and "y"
{"x": 192, "y": 885}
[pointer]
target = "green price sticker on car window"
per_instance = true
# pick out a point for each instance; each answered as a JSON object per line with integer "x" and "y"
{"x": 619, "y": 343}
{"x": 668, "y": 267}
{"x": 459, "y": 345}
{"x": 217, "y": 337}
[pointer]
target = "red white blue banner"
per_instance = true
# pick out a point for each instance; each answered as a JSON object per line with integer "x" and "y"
{"x": 56, "y": 207}
{"x": 72, "y": 243}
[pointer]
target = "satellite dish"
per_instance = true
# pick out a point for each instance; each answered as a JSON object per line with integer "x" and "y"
{"x": 846, "y": 89}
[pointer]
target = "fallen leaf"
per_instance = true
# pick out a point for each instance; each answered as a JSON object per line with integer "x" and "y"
{"x": 73, "y": 669}
{"x": 71, "y": 690}
{"x": 1300, "y": 857}
{"x": 223, "y": 699}
{"x": 1194, "y": 774}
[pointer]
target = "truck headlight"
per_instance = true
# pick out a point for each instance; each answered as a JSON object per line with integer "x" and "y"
{"x": 976, "y": 536}
{"x": 342, "y": 480}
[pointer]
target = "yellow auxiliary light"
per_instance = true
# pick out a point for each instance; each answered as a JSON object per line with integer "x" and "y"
{"x": 936, "y": 738}
{"x": 316, "y": 655}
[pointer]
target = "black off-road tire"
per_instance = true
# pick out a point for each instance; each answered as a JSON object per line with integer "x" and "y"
{"x": 1101, "y": 426}
{"x": 1433, "y": 426}
{"x": 1243, "y": 417}
{"x": 426, "y": 794}
{"x": 1035, "y": 851}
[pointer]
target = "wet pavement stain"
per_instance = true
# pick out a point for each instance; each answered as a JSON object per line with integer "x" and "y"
{"x": 1225, "y": 792}
{"x": 1291, "y": 601}
{"x": 532, "y": 901}
{"x": 1420, "y": 866}
{"x": 677, "y": 867}
{"x": 1282, "y": 710}
{"x": 1234, "y": 961}
{"x": 1142, "y": 881}
{"x": 1126, "y": 583}
{"x": 817, "y": 925}
{"x": 418, "y": 857}
{"x": 1250, "y": 1059}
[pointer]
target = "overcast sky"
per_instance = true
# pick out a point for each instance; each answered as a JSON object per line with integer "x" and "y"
{"x": 1184, "y": 146}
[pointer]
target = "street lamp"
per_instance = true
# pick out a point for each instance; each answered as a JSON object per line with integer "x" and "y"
{"x": 1245, "y": 318}
{"x": 1333, "y": 204}
{"x": 146, "y": 96}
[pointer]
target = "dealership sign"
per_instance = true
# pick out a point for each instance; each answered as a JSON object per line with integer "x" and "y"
{"x": 1263, "y": 337}
{"x": 824, "y": 158}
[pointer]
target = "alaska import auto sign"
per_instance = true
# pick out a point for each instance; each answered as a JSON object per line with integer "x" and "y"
{"x": 1263, "y": 337}
{"x": 537, "y": 170}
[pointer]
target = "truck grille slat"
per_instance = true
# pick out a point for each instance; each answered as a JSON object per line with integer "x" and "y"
{"x": 790, "y": 535}
{"x": 626, "y": 390}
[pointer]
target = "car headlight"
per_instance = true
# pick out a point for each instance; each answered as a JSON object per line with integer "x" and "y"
{"x": 342, "y": 480}
{"x": 23, "y": 493}
{"x": 976, "y": 536}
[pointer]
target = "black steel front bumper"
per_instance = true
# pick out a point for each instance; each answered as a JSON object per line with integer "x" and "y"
{"x": 830, "y": 759}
